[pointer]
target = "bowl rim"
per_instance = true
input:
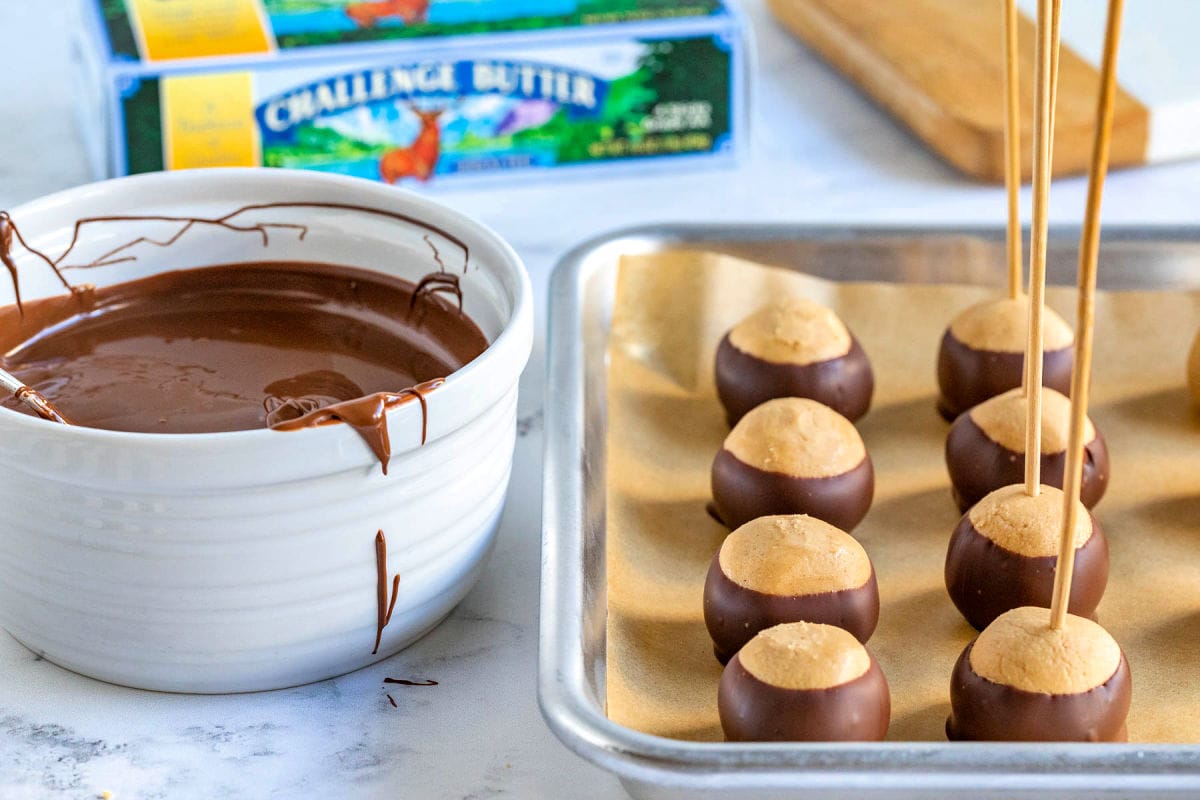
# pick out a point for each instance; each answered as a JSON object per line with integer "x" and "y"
{"x": 510, "y": 266}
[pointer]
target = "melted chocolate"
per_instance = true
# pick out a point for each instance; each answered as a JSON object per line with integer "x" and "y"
{"x": 752, "y": 710}
{"x": 127, "y": 320}
{"x": 967, "y": 376}
{"x": 367, "y": 415}
{"x": 238, "y": 347}
{"x": 404, "y": 682}
{"x": 981, "y": 710}
{"x": 742, "y": 493}
{"x": 979, "y": 466}
{"x": 745, "y": 381}
{"x": 386, "y": 607}
{"x": 734, "y": 614}
{"x": 985, "y": 580}
{"x": 392, "y": 700}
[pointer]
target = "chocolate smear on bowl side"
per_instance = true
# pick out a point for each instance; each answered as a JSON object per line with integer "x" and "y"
{"x": 385, "y": 606}
{"x": 227, "y": 222}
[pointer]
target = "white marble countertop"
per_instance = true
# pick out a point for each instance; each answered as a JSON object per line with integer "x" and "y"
{"x": 820, "y": 154}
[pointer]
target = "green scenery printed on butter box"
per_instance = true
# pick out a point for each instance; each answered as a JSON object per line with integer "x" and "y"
{"x": 308, "y": 23}
{"x": 315, "y": 23}
{"x": 423, "y": 121}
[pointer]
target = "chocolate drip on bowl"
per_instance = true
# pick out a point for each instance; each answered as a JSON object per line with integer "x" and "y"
{"x": 367, "y": 415}
{"x": 227, "y": 221}
{"x": 385, "y": 605}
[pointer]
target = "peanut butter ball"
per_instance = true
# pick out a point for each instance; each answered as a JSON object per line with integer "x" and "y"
{"x": 793, "y": 348}
{"x": 1004, "y": 553}
{"x": 803, "y": 681}
{"x": 1022, "y": 681}
{"x": 793, "y": 456}
{"x": 985, "y": 449}
{"x": 788, "y": 568}
{"x": 983, "y": 353}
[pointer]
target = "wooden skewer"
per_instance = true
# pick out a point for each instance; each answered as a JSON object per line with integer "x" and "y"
{"x": 1089, "y": 249}
{"x": 1056, "y": 37}
{"x": 1012, "y": 146}
{"x": 1043, "y": 114}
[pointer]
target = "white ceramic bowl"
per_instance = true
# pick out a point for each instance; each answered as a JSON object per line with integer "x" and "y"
{"x": 243, "y": 561}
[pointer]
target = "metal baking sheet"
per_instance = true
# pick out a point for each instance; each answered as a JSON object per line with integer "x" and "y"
{"x": 573, "y": 612}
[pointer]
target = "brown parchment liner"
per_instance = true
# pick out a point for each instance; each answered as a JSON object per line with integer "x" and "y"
{"x": 665, "y": 425}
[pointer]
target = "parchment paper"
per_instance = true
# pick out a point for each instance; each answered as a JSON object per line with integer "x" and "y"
{"x": 665, "y": 425}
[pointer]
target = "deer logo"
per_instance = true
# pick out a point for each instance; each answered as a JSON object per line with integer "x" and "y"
{"x": 367, "y": 14}
{"x": 419, "y": 159}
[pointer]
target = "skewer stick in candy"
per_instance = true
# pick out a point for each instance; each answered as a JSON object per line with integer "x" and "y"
{"x": 1089, "y": 247}
{"x": 1042, "y": 148}
{"x": 1012, "y": 683}
{"x": 1012, "y": 146}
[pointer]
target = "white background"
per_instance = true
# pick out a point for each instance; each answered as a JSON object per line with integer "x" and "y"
{"x": 820, "y": 153}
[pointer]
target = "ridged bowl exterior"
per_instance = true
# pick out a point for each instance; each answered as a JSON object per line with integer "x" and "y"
{"x": 246, "y": 561}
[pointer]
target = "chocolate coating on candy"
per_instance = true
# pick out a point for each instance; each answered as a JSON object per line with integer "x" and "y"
{"x": 793, "y": 348}
{"x": 1004, "y": 552}
{"x": 780, "y": 569}
{"x": 803, "y": 682}
{"x": 1021, "y": 681}
{"x": 985, "y": 449}
{"x": 982, "y": 354}
{"x": 793, "y": 456}
{"x": 991, "y": 712}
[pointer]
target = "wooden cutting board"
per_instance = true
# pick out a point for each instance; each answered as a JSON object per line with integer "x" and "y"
{"x": 937, "y": 66}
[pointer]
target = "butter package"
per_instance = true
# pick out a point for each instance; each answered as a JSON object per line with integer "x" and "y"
{"x": 411, "y": 92}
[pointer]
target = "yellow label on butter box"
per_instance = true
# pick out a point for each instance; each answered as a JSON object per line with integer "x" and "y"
{"x": 169, "y": 29}
{"x": 207, "y": 121}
